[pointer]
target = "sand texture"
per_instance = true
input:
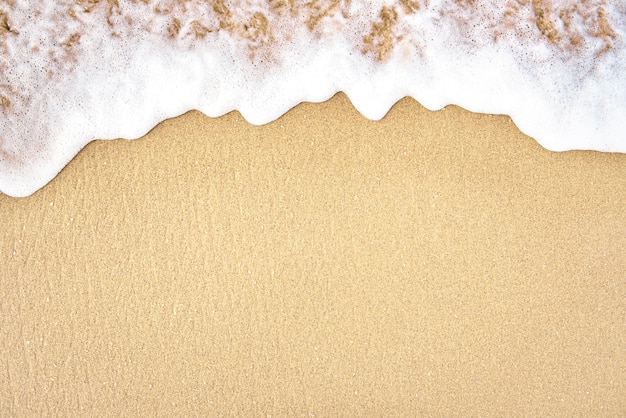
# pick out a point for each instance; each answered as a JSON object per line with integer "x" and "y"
{"x": 428, "y": 264}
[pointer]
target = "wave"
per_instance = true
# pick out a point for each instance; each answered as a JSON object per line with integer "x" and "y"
{"x": 74, "y": 71}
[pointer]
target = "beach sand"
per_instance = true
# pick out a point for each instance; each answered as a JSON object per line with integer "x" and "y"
{"x": 431, "y": 263}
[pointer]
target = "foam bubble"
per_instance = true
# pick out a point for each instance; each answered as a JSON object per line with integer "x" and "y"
{"x": 76, "y": 70}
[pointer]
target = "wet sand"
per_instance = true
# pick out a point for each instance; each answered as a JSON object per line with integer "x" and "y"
{"x": 432, "y": 263}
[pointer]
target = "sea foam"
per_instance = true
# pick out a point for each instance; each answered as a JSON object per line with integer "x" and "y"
{"x": 75, "y": 71}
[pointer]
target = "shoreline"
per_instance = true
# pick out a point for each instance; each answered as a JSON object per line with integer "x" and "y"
{"x": 427, "y": 263}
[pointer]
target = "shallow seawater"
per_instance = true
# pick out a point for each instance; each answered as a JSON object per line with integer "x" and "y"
{"x": 75, "y": 71}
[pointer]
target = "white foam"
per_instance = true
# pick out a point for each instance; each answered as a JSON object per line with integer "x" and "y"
{"x": 74, "y": 71}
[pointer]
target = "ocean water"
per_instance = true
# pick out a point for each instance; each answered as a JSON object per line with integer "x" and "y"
{"x": 72, "y": 71}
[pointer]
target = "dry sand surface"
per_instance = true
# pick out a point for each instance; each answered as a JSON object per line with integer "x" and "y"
{"x": 436, "y": 264}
